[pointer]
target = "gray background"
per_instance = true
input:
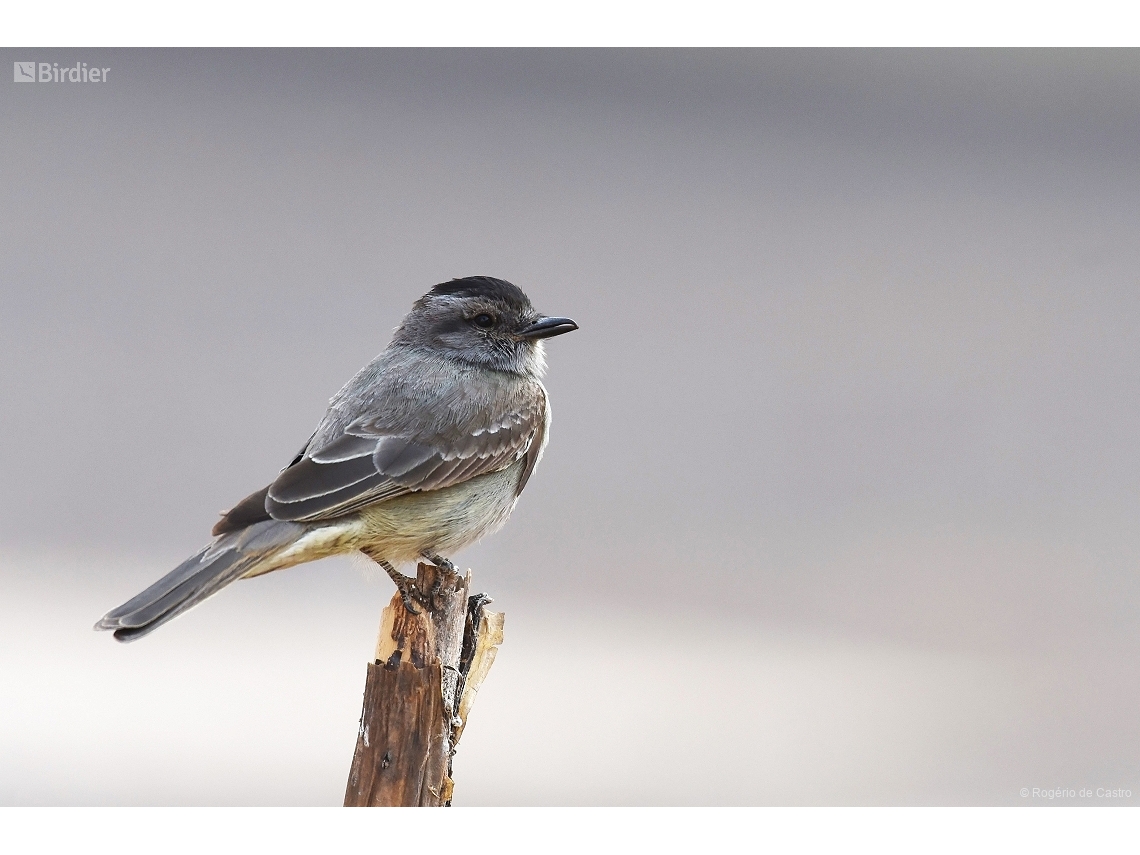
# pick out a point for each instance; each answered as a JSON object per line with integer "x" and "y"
{"x": 840, "y": 503}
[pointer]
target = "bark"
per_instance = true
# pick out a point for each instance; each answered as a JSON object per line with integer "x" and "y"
{"x": 419, "y": 691}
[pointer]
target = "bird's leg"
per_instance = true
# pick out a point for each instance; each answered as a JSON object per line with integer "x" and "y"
{"x": 442, "y": 563}
{"x": 406, "y": 585}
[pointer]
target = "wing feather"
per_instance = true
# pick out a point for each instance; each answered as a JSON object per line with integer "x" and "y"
{"x": 364, "y": 465}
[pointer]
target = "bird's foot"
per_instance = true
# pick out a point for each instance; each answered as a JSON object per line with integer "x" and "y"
{"x": 436, "y": 587}
{"x": 410, "y": 593}
{"x": 441, "y": 562}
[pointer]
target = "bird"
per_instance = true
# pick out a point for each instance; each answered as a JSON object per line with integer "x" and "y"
{"x": 422, "y": 453}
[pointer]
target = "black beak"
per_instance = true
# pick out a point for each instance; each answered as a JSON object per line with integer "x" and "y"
{"x": 548, "y": 328}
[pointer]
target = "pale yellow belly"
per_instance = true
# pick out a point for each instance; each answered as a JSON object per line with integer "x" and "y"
{"x": 441, "y": 521}
{"x": 401, "y": 530}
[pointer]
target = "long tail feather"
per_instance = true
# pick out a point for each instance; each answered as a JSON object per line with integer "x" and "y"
{"x": 213, "y": 567}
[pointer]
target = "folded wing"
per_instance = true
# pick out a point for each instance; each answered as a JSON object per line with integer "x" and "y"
{"x": 365, "y": 465}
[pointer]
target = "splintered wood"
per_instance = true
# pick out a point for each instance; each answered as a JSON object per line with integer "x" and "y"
{"x": 419, "y": 691}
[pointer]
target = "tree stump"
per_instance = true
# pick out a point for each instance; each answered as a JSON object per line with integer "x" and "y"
{"x": 419, "y": 691}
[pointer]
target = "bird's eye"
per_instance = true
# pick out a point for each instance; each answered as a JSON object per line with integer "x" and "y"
{"x": 483, "y": 321}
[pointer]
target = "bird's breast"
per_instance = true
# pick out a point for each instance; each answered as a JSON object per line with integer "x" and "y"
{"x": 441, "y": 521}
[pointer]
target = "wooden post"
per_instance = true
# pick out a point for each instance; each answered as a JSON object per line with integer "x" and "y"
{"x": 418, "y": 693}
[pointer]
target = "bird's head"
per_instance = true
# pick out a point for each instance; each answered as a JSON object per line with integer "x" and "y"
{"x": 482, "y": 321}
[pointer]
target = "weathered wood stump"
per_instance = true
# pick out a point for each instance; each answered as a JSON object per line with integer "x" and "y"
{"x": 419, "y": 691}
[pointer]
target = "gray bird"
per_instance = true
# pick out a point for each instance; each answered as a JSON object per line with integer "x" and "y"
{"x": 425, "y": 451}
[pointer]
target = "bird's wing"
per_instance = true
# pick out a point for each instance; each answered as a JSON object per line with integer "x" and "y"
{"x": 367, "y": 464}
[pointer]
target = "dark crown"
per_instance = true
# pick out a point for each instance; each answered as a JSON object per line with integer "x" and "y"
{"x": 483, "y": 286}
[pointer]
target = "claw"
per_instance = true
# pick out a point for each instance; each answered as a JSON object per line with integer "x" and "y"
{"x": 436, "y": 587}
{"x": 406, "y": 585}
{"x": 408, "y": 598}
{"x": 441, "y": 562}
{"x": 409, "y": 592}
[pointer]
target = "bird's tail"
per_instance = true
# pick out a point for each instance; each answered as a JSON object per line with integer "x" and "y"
{"x": 225, "y": 560}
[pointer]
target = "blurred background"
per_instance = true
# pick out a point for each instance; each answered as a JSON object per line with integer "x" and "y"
{"x": 841, "y": 497}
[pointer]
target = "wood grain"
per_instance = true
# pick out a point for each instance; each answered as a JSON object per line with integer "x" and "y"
{"x": 418, "y": 692}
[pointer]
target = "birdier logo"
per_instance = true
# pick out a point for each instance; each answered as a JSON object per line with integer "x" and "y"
{"x": 52, "y": 72}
